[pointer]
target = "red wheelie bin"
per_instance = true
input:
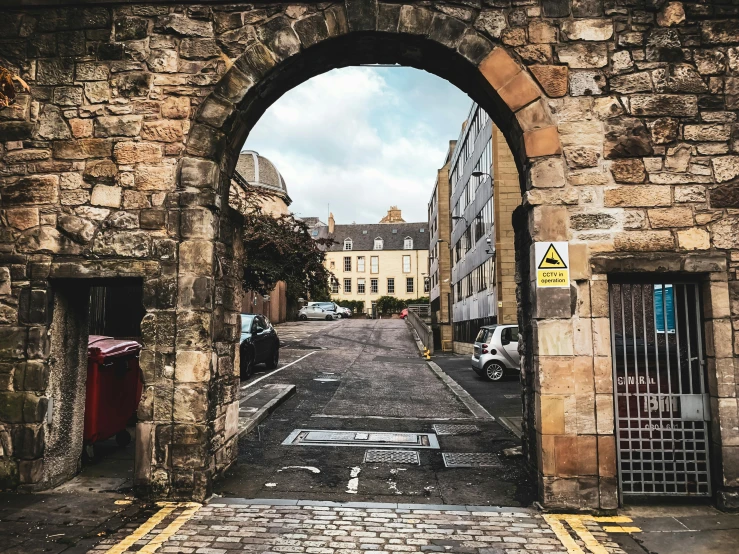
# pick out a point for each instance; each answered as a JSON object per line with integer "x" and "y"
{"x": 114, "y": 388}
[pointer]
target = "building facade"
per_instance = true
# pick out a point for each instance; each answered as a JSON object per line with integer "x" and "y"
{"x": 440, "y": 286}
{"x": 382, "y": 259}
{"x": 257, "y": 183}
{"x": 481, "y": 239}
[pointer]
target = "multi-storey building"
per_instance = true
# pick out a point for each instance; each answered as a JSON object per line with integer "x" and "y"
{"x": 440, "y": 291}
{"x": 482, "y": 254}
{"x": 381, "y": 259}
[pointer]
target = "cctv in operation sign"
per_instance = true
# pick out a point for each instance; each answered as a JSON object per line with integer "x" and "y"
{"x": 552, "y": 264}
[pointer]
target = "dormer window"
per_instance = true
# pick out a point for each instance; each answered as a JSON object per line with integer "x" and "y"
{"x": 408, "y": 243}
{"x": 378, "y": 244}
{"x": 347, "y": 244}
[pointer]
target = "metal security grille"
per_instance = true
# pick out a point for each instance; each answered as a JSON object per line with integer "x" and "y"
{"x": 661, "y": 400}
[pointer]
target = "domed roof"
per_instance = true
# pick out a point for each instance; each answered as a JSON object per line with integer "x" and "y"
{"x": 259, "y": 171}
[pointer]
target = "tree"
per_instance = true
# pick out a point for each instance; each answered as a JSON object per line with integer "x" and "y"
{"x": 280, "y": 248}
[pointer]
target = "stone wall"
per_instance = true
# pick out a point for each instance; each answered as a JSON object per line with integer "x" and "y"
{"x": 621, "y": 116}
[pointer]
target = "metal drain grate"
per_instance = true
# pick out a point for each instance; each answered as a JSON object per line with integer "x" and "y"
{"x": 448, "y": 429}
{"x": 392, "y": 457}
{"x": 470, "y": 459}
{"x": 328, "y": 378}
{"x": 318, "y": 437}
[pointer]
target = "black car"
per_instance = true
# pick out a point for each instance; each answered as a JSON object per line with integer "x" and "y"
{"x": 259, "y": 344}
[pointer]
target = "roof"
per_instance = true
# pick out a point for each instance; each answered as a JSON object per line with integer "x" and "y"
{"x": 259, "y": 171}
{"x": 393, "y": 234}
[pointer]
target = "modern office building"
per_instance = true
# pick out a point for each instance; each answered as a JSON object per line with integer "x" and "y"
{"x": 482, "y": 251}
{"x": 440, "y": 286}
{"x": 378, "y": 259}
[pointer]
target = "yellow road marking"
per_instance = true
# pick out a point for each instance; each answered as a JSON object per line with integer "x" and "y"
{"x": 153, "y": 521}
{"x": 575, "y": 521}
{"x": 171, "y": 529}
{"x": 621, "y": 529}
{"x": 564, "y": 537}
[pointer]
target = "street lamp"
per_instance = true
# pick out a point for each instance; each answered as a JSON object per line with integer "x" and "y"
{"x": 481, "y": 173}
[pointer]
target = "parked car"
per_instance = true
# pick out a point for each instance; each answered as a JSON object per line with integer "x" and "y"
{"x": 496, "y": 351}
{"x": 344, "y": 312}
{"x": 333, "y": 307}
{"x": 404, "y": 313}
{"x": 317, "y": 312}
{"x": 259, "y": 344}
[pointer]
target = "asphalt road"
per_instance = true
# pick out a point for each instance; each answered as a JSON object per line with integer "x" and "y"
{"x": 371, "y": 378}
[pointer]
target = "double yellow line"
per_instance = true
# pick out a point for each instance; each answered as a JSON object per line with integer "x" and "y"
{"x": 557, "y": 523}
{"x": 188, "y": 510}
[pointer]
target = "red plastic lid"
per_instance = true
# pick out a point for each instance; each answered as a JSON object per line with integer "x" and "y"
{"x": 98, "y": 345}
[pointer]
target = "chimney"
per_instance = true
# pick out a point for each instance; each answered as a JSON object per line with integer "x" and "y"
{"x": 331, "y": 224}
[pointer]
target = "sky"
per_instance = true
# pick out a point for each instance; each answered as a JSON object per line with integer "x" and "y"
{"x": 360, "y": 139}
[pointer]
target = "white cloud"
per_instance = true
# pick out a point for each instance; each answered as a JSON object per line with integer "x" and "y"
{"x": 360, "y": 141}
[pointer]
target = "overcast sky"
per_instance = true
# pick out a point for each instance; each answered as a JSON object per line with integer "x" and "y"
{"x": 361, "y": 139}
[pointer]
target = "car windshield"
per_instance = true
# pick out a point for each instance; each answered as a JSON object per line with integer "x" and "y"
{"x": 482, "y": 336}
{"x": 246, "y": 321}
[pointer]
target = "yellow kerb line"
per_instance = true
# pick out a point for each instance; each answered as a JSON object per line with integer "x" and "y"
{"x": 564, "y": 537}
{"x": 171, "y": 529}
{"x": 153, "y": 521}
{"x": 586, "y": 536}
{"x": 556, "y": 522}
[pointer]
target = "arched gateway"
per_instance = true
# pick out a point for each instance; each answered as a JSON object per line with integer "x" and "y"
{"x": 117, "y": 163}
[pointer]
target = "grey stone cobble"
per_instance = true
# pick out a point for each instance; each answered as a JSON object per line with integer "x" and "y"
{"x": 219, "y": 528}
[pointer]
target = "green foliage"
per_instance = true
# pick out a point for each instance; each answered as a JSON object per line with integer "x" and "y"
{"x": 280, "y": 248}
{"x": 357, "y": 306}
{"x": 392, "y": 305}
{"x": 421, "y": 300}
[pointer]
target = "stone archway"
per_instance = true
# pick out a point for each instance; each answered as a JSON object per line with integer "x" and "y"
{"x": 117, "y": 163}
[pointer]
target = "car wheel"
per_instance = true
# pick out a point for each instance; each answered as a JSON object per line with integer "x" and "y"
{"x": 494, "y": 371}
{"x": 247, "y": 363}
{"x": 329, "y": 318}
{"x": 302, "y": 317}
{"x": 274, "y": 359}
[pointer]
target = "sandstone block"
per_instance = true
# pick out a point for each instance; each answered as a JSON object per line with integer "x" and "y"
{"x": 104, "y": 195}
{"x": 628, "y": 170}
{"x": 581, "y": 157}
{"x": 154, "y": 177}
{"x": 82, "y": 149}
{"x": 693, "y": 239}
{"x": 725, "y": 168}
{"x": 519, "y": 91}
{"x": 39, "y": 189}
{"x": 587, "y": 29}
{"x": 548, "y": 172}
{"x": 196, "y": 256}
{"x": 127, "y": 244}
{"x": 278, "y": 35}
{"x": 631, "y": 83}
{"x": 22, "y": 218}
{"x": 499, "y": 68}
{"x": 126, "y": 126}
{"x": 670, "y": 217}
{"x": 583, "y": 55}
{"x": 626, "y": 137}
{"x": 91, "y": 71}
{"x": 176, "y": 107}
{"x": 674, "y": 105}
{"x": 81, "y": 128}
{"x": 190, "y": 403}
{"x": 97, "y": 92}
{"x": 415, "y": 20}
{"x": 100, "y": 171}
{"x": 541, "y": 32}
{"x": 199, "y": 48}
{"x": 162, "y": 130}
{"x": 51, "y": 124}
{"x": 163, "y": 61}
{"x": 586, "y": 83}
{"x": 129, "y": 152}
{"x": 542, "y": 142}
{"x": 637, "y": 196}
{"x": 552, "y": 78}
{"x": 447, "y": 30}
{"x": 644, "y": 241}
{"x": 78, "y": 229}
{"x": 198, "y": 173}
{"x": 725, "y": 232}
{"x": 192, "y": 366}
{"x": 185, "y": 26}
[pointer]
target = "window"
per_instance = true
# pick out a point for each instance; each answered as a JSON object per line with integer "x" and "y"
{"x": 408, "y": 243}
{"x": 409, "y": 284}
{"x": 360, "y": 264}
{"x": 334, "y": 286}
{"x": 332, "y": 264}
{"x": 373, "y": 285}
{"x": 347, "y": 285}
{"x": 314, "y": 233}
{"x": 347, "y": 263}
{"x": 406, "y": 264}
{"x": 426, "y": 284}
{"x": 378, "y": 244}
{"x": 347, "y": 244}
{"x": 374, "y": 264}
{"x": 391, "y": 285}
{"x": 360, "y": 286}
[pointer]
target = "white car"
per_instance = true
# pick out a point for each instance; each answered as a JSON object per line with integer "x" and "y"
{"x": 317, "y": 312}
{"x": 333, "y": 306}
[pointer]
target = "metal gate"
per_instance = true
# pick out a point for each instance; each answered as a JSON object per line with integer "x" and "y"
{"x": 660, "y": 395}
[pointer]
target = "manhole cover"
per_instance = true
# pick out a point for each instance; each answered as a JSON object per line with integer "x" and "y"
{"x": 318, "y": 437}
{"x": 391, "y": 457}
{"x": 469, "y": 459}
{"x": 446, "y": 429}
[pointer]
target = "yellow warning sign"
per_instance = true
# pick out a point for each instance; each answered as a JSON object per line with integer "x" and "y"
{"x": 552, "y": 264}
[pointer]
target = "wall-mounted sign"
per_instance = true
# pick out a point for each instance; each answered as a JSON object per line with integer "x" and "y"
{"x": 664, "y": 308}
{"x": 552, "y": 264}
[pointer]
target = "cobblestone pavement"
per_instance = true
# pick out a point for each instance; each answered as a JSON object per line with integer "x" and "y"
{"x": 285, "y": 526}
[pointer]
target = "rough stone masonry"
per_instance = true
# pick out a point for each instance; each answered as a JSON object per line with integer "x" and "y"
{"x": 622, "y": 115}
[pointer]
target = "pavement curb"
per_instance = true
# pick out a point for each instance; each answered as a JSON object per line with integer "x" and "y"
{"x": 281, "y": 393}
{"x": 505, "y": 422}
{"x": 472, "y": 405}
{"x": 378, "y": 505}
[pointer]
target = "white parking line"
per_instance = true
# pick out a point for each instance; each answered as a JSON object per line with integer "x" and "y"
{"x": 276, "y": 371}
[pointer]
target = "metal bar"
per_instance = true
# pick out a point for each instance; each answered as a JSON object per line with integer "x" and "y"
{"x": 626, "y": 385}
{"x": 702, "y": 381}
{"x": 650, "y": 429}
{"x": 680, "y": 387}
{"x": 617, "y": 416}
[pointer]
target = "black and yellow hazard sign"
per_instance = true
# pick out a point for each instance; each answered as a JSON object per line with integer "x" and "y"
{"x": 552, "y": 264}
